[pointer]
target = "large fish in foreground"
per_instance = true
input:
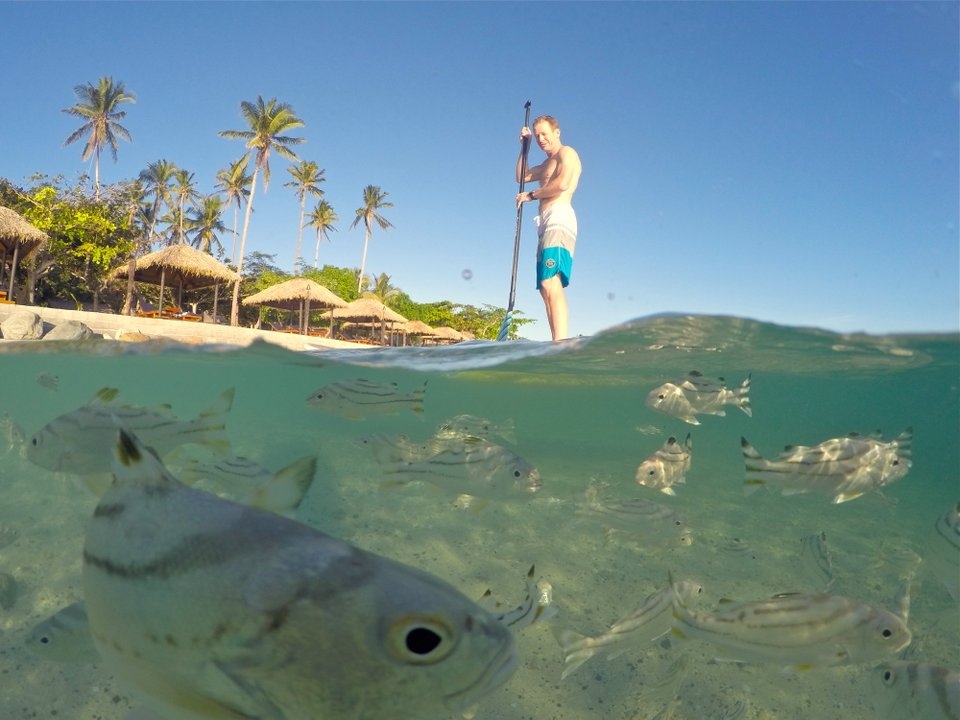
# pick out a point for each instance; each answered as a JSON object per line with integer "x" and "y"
{"x": 80, "y": 441}
{"x": 915, "y": 691}
{"x": 209, "y": 609}
{"x": 695, "y": 394}
{"x": 798, "y": 630}
{"x": 844, "y": 468}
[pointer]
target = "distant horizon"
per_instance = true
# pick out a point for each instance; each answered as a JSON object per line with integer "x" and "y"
{"x": 794, "y": 163}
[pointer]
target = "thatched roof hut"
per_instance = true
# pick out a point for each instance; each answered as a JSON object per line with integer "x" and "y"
{"x": 418, "y": 327}
{"x": 297, "y": 294}
{"x": 18, "y": 239}
{"x": 369, "y": 309}
{"x": 181, "y": 266}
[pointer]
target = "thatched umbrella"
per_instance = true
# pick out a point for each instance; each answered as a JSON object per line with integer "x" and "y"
{"x": 181, "y": 265}
{"x": 418, "y": 327}
{"x": 369, "y": 309}
{"x": 448, "y": 333}
{"x": 297, "y": 294}
{"x": 20, "y": 238}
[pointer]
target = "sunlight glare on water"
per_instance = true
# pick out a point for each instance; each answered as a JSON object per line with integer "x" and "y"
{"x": 578, "y": 415}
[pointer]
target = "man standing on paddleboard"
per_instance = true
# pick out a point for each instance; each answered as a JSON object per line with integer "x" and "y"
{"x": 558, "y": 176}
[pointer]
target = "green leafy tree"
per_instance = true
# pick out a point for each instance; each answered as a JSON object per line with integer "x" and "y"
{"x": 307, "y": 176}
{"x": 321, "y": 219}
{"x": 382, "y": 290}
{"x": 234, "y": 182}
{"x": 342, "y": 282}
{"x": 268, "y": 122}
{"x": 369, "y": 213}
{"x": 98, "y": 107}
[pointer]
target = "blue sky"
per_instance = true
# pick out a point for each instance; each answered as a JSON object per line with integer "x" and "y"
{"x": 791, "y": 162}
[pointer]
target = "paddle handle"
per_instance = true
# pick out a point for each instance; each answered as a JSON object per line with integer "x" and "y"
{"x": 516, "y": 242}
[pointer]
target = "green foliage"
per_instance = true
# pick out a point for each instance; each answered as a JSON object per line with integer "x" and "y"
{"x": 342, "y": 282}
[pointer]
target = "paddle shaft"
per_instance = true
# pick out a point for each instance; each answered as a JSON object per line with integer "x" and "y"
{"x": 516, "y": 241}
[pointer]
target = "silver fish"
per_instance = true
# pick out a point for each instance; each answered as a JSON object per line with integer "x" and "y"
{"x": 250, "y": 483}
{"x": 650, "y": 621}
{"x": 650, "y": 522}
{"x": 912, "y": 690}
{"x": 844, "y": 468}
{"x": 464, "y": 465}
{"x": 211, "y": 609}
{"x": 537, "y": 605}
{"x": 944, "y": 555}
{"x": 64, "y": 636}
{"x": 668, "y": 466}
{"x": 358, "y": 399}
{"x": 48, "y": 380}
{"x": 12, "y": 437}
{"x": 79, "y": 441}
{"x": 799, "y": 630}
{"x": 695, "y": 394}
{"x": 815, "y": 560}
{"x": 471, "y": 425}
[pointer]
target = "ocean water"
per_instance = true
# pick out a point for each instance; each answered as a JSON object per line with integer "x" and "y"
{"x": 579, "y": 416}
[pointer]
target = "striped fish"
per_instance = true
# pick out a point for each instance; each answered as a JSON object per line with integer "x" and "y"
{"x": 80, "y": 441}
{"x": 537, "y": 605}
{"x": 695, "y": 394}
{"x": 650, "y": 621}
{"x": 211, "y": 609}
{"x": 462, "y": 465}
{"x": 250, "y": 483}
{"x": 64, "y": 636}
{"x": 816, "y": 561}
{"x": 358, "y": 399}
{"x": 668, "y": 466}
{"x": 918, "y": 691}
{"x": 944, "y": 555}
{"x": 798, "y": 630}
{"x": 844, "y": 468}
{"x": 650, "y": 522}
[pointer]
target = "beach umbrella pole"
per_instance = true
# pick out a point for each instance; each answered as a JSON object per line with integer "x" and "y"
{"x": 505, "y": 325}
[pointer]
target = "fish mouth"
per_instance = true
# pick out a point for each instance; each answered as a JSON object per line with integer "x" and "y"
{"x": 500, "y": 669}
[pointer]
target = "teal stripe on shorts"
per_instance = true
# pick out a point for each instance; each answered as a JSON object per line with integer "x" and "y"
{"x": 551, "y": 261}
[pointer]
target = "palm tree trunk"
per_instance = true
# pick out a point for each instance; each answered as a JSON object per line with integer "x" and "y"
{"x": 297, "y": 259}
{"x": 316, "y": 253}
{"x": 235, "y": 308}
{"x": 363, "y": 259}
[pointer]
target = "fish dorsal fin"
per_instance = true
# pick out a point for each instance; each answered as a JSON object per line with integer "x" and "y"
{"x": 136, "y": 465}
{"x": 688, "y": 441}
{"x": 104, "y": 396}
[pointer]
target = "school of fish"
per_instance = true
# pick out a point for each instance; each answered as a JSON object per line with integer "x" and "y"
{"x": 207, "y": 602}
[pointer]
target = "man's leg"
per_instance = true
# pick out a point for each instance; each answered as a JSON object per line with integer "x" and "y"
{"x": 551, "y": 290}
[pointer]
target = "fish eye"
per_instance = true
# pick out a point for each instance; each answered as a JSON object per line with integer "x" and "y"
{"x": 420, "y": 641}
{"x": 888, "y": 677}
{"x": 517, "y": 474}
{"x": 896, "y": 462}
{"x": 661, "y": 396}
{"x": 887, "y": 632}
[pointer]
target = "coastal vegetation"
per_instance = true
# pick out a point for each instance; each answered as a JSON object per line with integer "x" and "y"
{"x": 96, "y": 230}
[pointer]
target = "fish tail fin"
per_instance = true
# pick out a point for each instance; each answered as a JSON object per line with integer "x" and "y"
{"x": 576, "y": 649}
{"x": 210, "y": 424}
{"x": 743, "y": 396}
{"x": 135, "y": 464}
{"x": 754, "y": 463}
{"x": 905, "y": 443}
{"x": 286, "y": 489}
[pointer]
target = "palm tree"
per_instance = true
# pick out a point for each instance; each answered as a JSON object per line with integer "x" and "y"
{"x": 156, "y": 179}
{"x": 307, "y": 176}
{"x": 234, "y": 182}
{"x": 98, "y": 107}
{"x": 135, "y": 195}
{"x": 267, "y": 122}
{"x": 382, "y": 290}
{"x": 207, "y": 223}
{"x": 185, "y": 189}
{"x": 322, "y": 218}
{"x": 373, "y": 202}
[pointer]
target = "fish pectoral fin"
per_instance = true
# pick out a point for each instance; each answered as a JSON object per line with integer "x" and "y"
{"x": 845, "y": 497}
{"x": 97, "y": 483}
{"x": 690, "y": 419}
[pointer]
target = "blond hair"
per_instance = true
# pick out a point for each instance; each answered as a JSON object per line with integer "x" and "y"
{"x": 549, "y": 120}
